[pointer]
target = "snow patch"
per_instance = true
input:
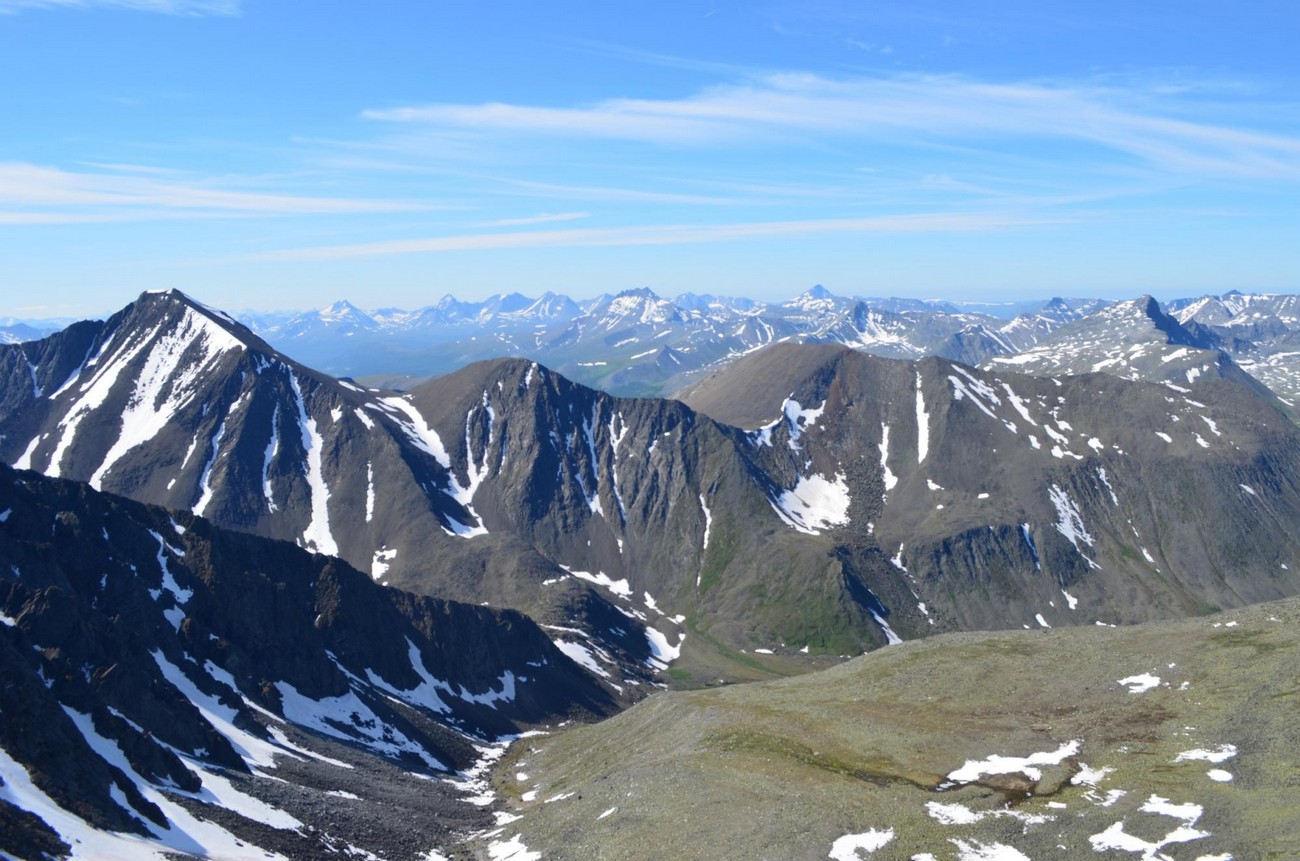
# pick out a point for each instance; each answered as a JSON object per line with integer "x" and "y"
{"x": 662, "y": 653}
{"x": 165, "y": 383}
{"x": 1222, "y": 753}
{"x": 708, "y": 523}
{"x": 317, "y": 535}
{"x": 890, "y": 479}
{"x": 1140, "y": 684}
{"x": 800, "y": 419}
{"x": 370, "y": 492}
{"x": 382, "y": 560}
{"x": 512, "y": 850}
{"x": 815, "y": 503}
{"x": 582, "y": 656}
{"x": 1115, "y": 837}
{"x": 93, "y": 394}
{"x": 976, "y": 851}
{"x": 972, "y": 770}
{"x": 272, "y": 449}
{"x": 922, "y": 423}
{"x": 600, "y": 578}
{"x": 1069, "y": 522}
{"x": 851, "y": 846}
{"x": 185, "y": 832}
{"x": 346, "y": 717}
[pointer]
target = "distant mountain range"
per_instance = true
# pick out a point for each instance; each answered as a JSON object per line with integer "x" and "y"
{"x": 15, "y": 331}
{"x": 638, "y": 343}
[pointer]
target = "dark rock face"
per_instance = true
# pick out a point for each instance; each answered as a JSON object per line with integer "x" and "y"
{"x": 143, "y": 652}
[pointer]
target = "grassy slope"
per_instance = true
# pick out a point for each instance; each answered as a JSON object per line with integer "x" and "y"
{"x": 782, "y": 769}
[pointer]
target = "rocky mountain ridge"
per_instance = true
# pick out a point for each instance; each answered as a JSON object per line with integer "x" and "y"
{"x": 175, "y": 687}
{"x": 638, "y": 343}
{"x": 805, "y": 497}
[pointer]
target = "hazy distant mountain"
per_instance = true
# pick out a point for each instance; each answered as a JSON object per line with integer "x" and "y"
{"x": 1262, "y": 331}
{"x": 634, "y": 342}
{"x": 15, "y": 331}
{"x": 638, "y": 343}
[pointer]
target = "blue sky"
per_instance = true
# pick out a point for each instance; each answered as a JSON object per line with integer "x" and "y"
{"x": 262, "y": 154}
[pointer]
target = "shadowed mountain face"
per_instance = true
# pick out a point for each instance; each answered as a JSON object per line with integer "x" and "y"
{"x": 806, "y": 496}
{"x": 161, "y": 671}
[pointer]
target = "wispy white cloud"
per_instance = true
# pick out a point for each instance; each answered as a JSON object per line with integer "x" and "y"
{"x": 1146, "y": 125}
{"x": 542, "y": 218}
{"x": 35, "y": 194}
{"x": 616, "y": 51}
{"x": 661, "y": 234}
{"x": 190, "y": 8}
{"x": 610, "y": 194}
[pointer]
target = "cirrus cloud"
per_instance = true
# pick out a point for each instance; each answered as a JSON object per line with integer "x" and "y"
{"x": 1147, "y": 125}
{"x": 36, "y": 194}
{"x": 660, "y": 234}
{"x": 190, "y": 8}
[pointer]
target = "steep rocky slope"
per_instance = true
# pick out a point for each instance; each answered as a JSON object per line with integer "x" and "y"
{"x": 171, "y": 686}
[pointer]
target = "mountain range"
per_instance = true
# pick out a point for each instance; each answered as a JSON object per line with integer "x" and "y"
{"x": 638, "y": 343}
{"x": 795, "y": 504}
{"x": 808, "y": 495}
